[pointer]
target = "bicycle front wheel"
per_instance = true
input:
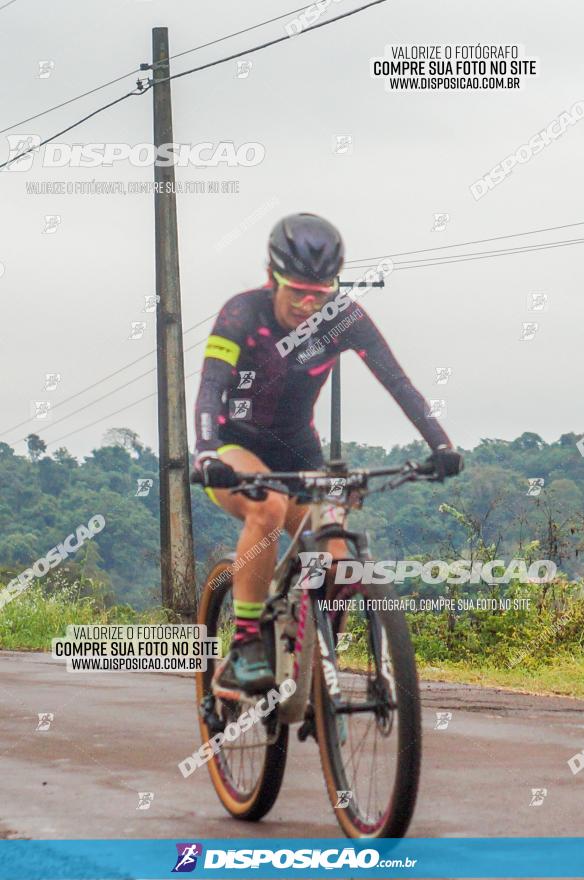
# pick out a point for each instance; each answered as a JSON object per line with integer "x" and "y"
{"x": 369, "y": 735}
{"x": 247, "y": 772}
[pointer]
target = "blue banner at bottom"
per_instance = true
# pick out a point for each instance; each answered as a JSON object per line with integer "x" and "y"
{"x": 304, "y": 858}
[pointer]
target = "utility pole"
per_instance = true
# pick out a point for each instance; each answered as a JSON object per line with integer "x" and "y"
{"x": 336, "y": 381}
{"x": 177, "y": 563}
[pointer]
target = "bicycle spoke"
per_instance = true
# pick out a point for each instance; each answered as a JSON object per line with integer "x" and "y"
{"x": 376, "y": 734}
{"x": 361, "y": 746}
{"x": 374, "y": 774}
{"x": 367, "y": 757}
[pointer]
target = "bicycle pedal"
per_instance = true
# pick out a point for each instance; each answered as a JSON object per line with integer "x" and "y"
{"x": 209, "y": 715}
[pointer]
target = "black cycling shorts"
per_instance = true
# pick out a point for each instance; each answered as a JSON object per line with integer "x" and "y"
{"x": 297, "y": 452}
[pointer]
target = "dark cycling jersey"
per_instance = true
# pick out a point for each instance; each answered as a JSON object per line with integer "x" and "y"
{"x": 253, "y": 395}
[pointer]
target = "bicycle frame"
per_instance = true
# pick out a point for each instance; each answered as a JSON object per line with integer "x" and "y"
{"x": 313, "y": 620}
{"x": 311, "y": 617}
{"x": 300, "y": 636}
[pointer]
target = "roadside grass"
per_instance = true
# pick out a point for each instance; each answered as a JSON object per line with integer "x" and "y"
{"x": 32, "y": 620}
{"x": 563, "y": 676}
{"x": 539, "y": 651}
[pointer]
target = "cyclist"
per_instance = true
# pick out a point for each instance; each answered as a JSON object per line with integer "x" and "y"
{"x": 254, "y": 410}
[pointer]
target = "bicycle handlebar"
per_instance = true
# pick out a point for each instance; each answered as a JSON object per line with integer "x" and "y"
{"x": 312, "y": 479}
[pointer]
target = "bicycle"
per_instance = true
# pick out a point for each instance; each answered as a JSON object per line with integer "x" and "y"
{"x": 342, "y": 694}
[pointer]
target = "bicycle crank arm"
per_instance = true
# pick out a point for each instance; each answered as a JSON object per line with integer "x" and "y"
{"x": 369, "y": 706}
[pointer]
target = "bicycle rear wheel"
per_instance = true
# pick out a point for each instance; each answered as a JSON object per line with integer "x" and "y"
{"x": 246, "y": 773}
{"x": 371, "y": 752}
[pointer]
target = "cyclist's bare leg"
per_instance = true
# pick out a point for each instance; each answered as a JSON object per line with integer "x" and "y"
{"x": 260, "y": 521}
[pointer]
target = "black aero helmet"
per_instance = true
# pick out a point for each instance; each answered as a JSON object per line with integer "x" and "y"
{"x": 306, "y": 247}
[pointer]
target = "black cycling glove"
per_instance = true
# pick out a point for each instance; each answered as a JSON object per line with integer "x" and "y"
{"x": 447, "y": 462}
{"x": 216, "y": 474}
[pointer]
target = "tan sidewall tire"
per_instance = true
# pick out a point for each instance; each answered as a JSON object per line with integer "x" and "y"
{"x": 236, "y": 807}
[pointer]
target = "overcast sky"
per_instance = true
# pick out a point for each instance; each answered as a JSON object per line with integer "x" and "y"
{"x": 68, "y": 299}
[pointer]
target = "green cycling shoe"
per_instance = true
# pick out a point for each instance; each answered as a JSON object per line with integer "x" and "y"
{"x": 246, "y": 668}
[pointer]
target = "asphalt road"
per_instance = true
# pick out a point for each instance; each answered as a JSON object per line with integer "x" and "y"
{"x": 116, "y": 734}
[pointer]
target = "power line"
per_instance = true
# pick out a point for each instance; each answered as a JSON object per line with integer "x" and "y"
{"x": 97, "y": 421}
{"x": 268, "y": 44}
{"x": 478, "y": 255}
{"x": 83, "y": 390}
{"x": 143, "y": 89}
{"x": 184, "y": 73}
{"x": 419, "y": 265}
{"x": 524, "y": 248}
{"x": 71, "y": 100}
{"x": 416, "y": 264}
{"x": 244, "y": 31}
{"x": 464, "y": 243}
{"x": 433, "y": 261}
{"x": 108, "y": 393}
{"x": 74, "y": 125}
{"x": 97, "y": 400}
{"x": 10, "y": 2}
{"x": 111, "y": 415}
{"x": 110, "y": 376}
{"x": 505, "y": 253}
{"x": 137, "y": 70}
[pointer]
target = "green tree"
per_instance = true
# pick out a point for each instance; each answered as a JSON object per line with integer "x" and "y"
{"x": 36, "y": 446}
{"x": 54, "y": 477}
{"x": 6, "y": 451}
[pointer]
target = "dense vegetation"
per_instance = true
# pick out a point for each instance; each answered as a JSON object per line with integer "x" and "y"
{"x": 484, "y": 514}
{"x": 43, "y": 498}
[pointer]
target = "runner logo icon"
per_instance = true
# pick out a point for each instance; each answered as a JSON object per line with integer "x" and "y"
{"x": 187, "y": 857}
{"x": 314, "y": 565}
